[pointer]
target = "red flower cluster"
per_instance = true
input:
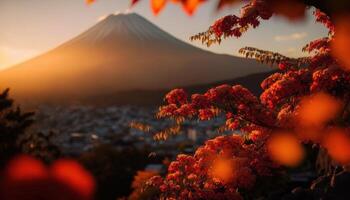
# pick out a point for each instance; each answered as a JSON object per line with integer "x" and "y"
{"x": 238, "y": 103}
{"x": 250, "y": 16}
{"x": 233, "y": 25}
{"x": 324, "y": 19}
{"x": 225, "y": 26}
{"x": 330, "y": 79}
{"x": 318, "y": 46}
{"x": 216, "y": 170}
{"x": 176, "y": 96}
{"x": 291, "y": 83}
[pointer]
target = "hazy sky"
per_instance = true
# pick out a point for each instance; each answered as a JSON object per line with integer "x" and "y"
{"x": 31, "y": 27}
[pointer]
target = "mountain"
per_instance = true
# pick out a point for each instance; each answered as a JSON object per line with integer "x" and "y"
{"x": 121, "y": 53}
{"x": 155, "y": 97}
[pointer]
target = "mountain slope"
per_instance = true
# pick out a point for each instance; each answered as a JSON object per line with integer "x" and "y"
{"x": 122, "y": 53}
{"x": 156, "y": 97}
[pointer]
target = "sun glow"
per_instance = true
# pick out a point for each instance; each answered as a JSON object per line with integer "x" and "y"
{"x": 10, "y": 56}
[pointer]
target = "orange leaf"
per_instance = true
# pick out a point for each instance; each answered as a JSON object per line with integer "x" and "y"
{"x": 157, "y": 5}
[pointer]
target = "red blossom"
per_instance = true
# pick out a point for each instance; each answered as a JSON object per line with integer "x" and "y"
{"x": 177, "y": 97}
{"x": 206, "y": 114}
{"x": 200, "y": 101}
{"x": 219, "y": 94}
{"x": 167, "y": 111}
{"x": 324, "y": 19}
{"x": 198, "y": 173}
{"x": 186, "y": 110}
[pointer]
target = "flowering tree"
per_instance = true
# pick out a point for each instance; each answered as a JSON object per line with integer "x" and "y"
{"x": 306, "y": 101}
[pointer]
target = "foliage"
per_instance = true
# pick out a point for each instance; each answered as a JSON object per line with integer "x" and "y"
{"x": 216, "y": 169}
{"x": 13, "y": 123}
{"x": 139, "y": 184}
{"x": 307, "y": 101}
{"x": 40, "y": 146}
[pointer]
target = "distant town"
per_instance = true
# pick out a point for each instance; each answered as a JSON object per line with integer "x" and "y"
{"x": 77, "y": 129}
